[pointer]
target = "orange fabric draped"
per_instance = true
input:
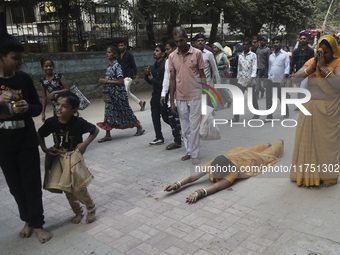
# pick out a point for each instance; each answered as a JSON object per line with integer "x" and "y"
{"x": 317, "y": 138}
{"x": 258, "y": 155}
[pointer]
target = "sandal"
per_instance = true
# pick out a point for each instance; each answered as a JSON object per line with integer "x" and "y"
{"x": 140, "y": 131}
{"x": 186, "y": 157}
{"x": 105, "y": 139}
{"x": 173, "y": 146}
{"x": 143, "y": 106}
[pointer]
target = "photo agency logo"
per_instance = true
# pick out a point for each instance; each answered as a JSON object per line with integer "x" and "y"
{"x": 238, "y": 105}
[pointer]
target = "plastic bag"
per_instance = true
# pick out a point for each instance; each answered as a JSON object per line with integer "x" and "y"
{"x": 83, "y": 101}
{"x": 207, "y": 129}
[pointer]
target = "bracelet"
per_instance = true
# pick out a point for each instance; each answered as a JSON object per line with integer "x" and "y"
{"x": 328, "y": 74}
{"x": 178, "y": 185}
{"x": 306, "y": 71}
{"x": 325, "y": 71}
{"x": 201, "y": 193}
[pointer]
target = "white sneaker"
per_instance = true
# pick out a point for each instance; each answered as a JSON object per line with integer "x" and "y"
{"x": 157, "y": 142}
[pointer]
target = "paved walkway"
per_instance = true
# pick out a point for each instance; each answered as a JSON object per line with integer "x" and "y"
{"x": 267, "y": 214}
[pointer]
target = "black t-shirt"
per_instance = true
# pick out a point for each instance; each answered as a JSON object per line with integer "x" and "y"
{"x": 67, "y": 135}
{"x": 17, "y": 130}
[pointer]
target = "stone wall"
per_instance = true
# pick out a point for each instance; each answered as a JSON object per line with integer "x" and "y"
{"x": 84, "y": 69}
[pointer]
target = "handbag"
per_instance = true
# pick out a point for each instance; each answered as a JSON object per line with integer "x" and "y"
{"x": 106, "y": 95}
{"x": 83, "y": 101}
{"x": 227, "y": 74}
{"x": 207, "y": 129}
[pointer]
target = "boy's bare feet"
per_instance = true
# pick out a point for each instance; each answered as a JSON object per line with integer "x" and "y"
{"x": 76, "y": 219}
{"x": 42, "y": 235}
{"x": 90, "y": 216}
{"x": 26, "y": 231}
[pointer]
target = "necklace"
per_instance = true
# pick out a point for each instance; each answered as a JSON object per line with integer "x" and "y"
{"x": 61, "y": 130}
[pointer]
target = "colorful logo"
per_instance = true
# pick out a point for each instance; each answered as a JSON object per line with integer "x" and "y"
{"x": 209, "y": 93}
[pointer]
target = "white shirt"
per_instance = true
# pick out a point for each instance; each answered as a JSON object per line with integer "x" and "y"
{"x": 166, "y": 83}
{"x": 278, "y": 66}
{"x": 210, "y": 63}
{"x": 246, "y": 69}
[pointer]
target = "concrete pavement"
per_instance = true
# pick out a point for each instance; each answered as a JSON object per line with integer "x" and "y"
{"x": 267, "y": 214}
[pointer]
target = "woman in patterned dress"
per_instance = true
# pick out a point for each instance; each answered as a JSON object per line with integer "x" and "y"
{"x": 52, "y": 83}
{"x": 118, "y": 113}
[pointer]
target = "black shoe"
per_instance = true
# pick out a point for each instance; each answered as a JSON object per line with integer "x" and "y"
{"x": 157, "y": 142}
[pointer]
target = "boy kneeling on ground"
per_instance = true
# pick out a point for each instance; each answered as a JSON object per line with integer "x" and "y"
{"x": 65, "y": 169}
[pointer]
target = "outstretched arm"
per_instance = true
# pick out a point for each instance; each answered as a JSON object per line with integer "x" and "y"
{"x": 188, "y": 179}
{"x": 222, "y": 184}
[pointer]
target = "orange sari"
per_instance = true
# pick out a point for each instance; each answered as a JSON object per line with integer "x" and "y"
{"x": 317, "y": 138}
{"x": 258, "y": 155}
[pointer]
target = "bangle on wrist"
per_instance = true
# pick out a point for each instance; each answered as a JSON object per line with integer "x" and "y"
{"x": 306, "y": 71}
{"x": 328, "y": 74}
{"x": 178, "y": 185}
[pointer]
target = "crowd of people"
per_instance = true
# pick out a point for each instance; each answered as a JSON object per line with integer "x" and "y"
{"x": 176, "y": 98}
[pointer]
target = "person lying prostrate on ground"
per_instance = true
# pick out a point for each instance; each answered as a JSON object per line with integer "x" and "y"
{"x": 225, "y": 169}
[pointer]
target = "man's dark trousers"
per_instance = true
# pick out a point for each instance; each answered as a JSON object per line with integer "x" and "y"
{"x": 157, "y": 110}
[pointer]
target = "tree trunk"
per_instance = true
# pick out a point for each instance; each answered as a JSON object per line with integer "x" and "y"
{"x": 3, "y": 26}
{"x": 151, "y": 35}
{"x": 214, "y": 25}
{"x": 63, "y": 14}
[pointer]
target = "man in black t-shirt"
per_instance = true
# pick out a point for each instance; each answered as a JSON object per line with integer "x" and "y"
{"x": 127, "y": 61}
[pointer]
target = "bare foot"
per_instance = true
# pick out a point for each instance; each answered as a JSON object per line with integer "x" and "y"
{"x": 42, "y": 235}
{"x": 325, "y": 184}
{"x": 77, "y": 218}
{"x": 26, "y": 231}
{"x": 302, "y": 186}
{"x": 90, "y": 216}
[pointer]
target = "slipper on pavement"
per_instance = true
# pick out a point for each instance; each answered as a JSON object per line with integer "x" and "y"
{"x": 104, "y": 139}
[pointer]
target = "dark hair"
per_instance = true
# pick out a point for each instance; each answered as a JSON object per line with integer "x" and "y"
{"x": 303, "y": 34}
{"x": 180, "y": 30}
{"x": 277, "y": 38}
{"x": 121, "y": 41}
{"x": 286, "y": 46}
{"x": 326, "y": 43}
{"x": 255, "y": 37}
{"x": 161, "y": 46}
{"x": 247, "y": 39}
{"x": 200, "y": 36}
{"x": 171, "y": 42}
{"x": 194, "y": 39}
{"x": 223, "y": 164}
{"x": 44, "y": 60}
{"x": 10, "y": 43}
{"x": 113, "y": 48}
{"x": 71, "y": 98}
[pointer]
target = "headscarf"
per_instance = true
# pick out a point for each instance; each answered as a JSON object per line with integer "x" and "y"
{"x": 218, "y": 45}
{"x": 335, "y": 48}
{"x": 324, "y": 85}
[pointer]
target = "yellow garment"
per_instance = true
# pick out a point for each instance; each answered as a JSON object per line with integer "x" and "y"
{"x": 258, "y": 155}
{"x": 66, "y": 172}
{"x": 317, "y": 138}
{"x": 228, "y": 51}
